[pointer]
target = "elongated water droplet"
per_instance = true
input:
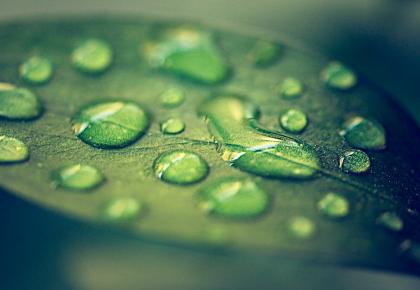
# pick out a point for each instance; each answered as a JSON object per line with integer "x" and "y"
{"x": 301, "y": 227}
{"x": 293, "y": 121}
{"x": 234, "y": 198}
{"x": 92, "y": 56}
{"x": 334, "y": 205}
{"x": 391, "y": 221}
{"x": 264, "y": 53}
{"x": 338, "y": 76}
{"x": 232, "y": 122}
{"x": 172, "y": 98}
{"x": 110, "y": 124}
{"x": 354, "y": 161}
{"x": 186, "y": 51}
{"x": 180, "y": 167}
{"x": 363, "y": 133}
{"x": 12, "y": 150}
{"x": 18, "y": 104}
{"x": 291, "y": 88}
{"x": 78, "y": 177}
{"x": 123, "y": 209}
{"x": 36, "y": 70}
{"x": 172, "y": 126}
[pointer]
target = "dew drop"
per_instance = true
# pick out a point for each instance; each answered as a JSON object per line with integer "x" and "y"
{"x": 110, "y": 124}
{"x": 186, "y": 51}
{"x": 18, "y": 103}
{"x": 264, "y": 53}
{"x": 36, "y": 70}
{"x": 232, "y": 121}
{"x": 391, "y": 221}
{"x": 92, "y": 56}
{"x": 291, "y": 88}
{"x": 180, "y": 167}
{"x": 363, "y": 133}
{"x": 172, "y": 126}
{"x": 78, "y": 177}
{"x": 234, "y": 198}
{"x": 172, "y": 98}
{"x": 333, "y": 205}
{"x": 301, "y": 227}
{"x": 354, "y": 161}
{"x": 338, "y": 76}
{"x": 122, "y": 209}
{"x": 12, "y": 150}
{"x": 293, "y": 121}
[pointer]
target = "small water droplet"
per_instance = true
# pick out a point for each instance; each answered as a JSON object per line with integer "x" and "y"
{"x": 264, "y": 53}
{"x": 172, "y": 98}
{"x": 293, "y": 121}
{"x": 391, "y": 221}
{"x": 78, "y": 177}
{"x": 334, "y": 205}
{"x": 36, "y": 70}
{"x": 354, "y": 161}
{"x": 18, "y": 103}
{"x": 233, "y": 123}
{"x": 110, "y": 124}
{"x": 92, "y": 56}
{"x": 291, "y": 88}
{"x": 172, "y": 126}
{"x": 122, "y": 209}
{"x": 363, "y": 133}
{"x": 234, "y": 198}
{"x": 180, "y": 167}
{"x": 301, "y": 227}
{"x": 12, "y": 150}
{"x": 338, "y": 76}
{"x": 186, "y": 51}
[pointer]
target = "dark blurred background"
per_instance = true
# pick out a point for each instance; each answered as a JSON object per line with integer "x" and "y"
{"x": 44, "y": 250}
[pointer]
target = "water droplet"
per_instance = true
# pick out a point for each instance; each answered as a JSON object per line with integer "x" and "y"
{"x": 291, "y": 88}
{"x": 92, "y": 56}
{"x": 12, "y": 150}
{"x": 122, "y": 209}
{"x": 338, "y": 76}
{"x": 363, "y": 133}
{"x": 411, "y": 249}
{"x": 78, "y": 177}
{"x": 293, "y": 121}
{"x": 232, "y": 121}
{"x": 187, "y": 51}
{"x": 391, "y": 221}
{"x": 36, "y": 70}
{"x": 354, "y": 161}
{"x": 264, "y": 52}
{"x": 18, "y": 103}
{"x": 172, "y": 126}
{"x": 234, "y": 198}
{"x": 301, "y": 227}
{"x": 110, "y": 124}
{"x": 180, "y": 167}
{"x": 172, "y": 98}
{"x": 334, "y": 205}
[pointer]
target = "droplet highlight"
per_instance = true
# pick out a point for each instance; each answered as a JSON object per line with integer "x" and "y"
{"x": 364, "y": 133}
{"x": 78, "y": 177}
{"x": 391, "y": 221}
{"x": 92, "y": 56}
{"x": 172, "y": 126}
{"x": 293, "y": 121}
{"x": 334, "y": 206}
{"x": 18, "y": 103}
{"x": 12, "y": 150}
{"x": 338, "y": 76}
{"x": 354, "y": 161}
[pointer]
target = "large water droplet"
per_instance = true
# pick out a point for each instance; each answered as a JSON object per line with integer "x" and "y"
{"x": 187, "y": 51}
{"x": 36, "y": 70}
{"x": 291, "y": 88}
{"x": 293, "y": 121}
{"x": 12, "y": 150}
{"x": 92, "y": 56}
{"x": 264, "y": 52}
{"x": 234, "y": 198}
{"x": 110, "y": 124}
{"x": 354, "y": 161}
{"x": 180, "y": 167}
{"x": 363, "y": 133}
{"x": 301, "y": 227}
{"x": 232, "y": 122}
{"x": 122, "y": 209}
{"x": 334, "y": 205}
{"x": 338, "y": 76}
{"x": 18, "y": 103}
{"x": 172, "y": 126}
{"x": 391, "y": 221}
{"x": 78, "y": 177}
{"x": 172, "y": 98}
